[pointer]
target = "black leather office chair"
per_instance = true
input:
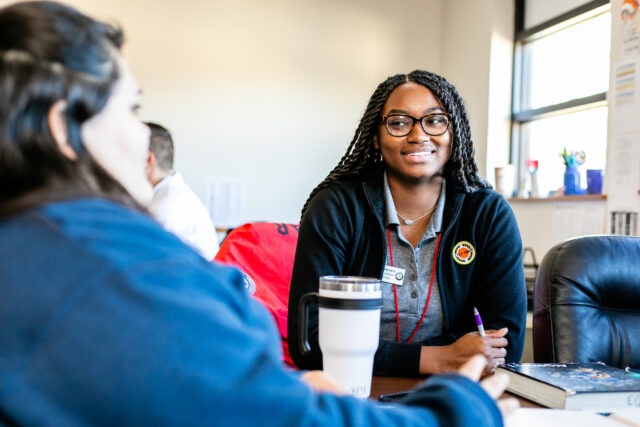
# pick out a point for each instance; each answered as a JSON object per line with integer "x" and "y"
{"x": 586, "y": 304}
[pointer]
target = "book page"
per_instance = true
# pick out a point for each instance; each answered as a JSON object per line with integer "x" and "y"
{"x": 537, "y": 417}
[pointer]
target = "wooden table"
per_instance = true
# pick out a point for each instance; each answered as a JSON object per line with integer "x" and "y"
{"x": 388, "y": 385}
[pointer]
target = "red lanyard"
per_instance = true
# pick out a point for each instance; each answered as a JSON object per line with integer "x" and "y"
{"x": 395, "y": 288}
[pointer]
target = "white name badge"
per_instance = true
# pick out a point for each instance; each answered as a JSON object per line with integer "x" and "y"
{"x": 393, "y": 275}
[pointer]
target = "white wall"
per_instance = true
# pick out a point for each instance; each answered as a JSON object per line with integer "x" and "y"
{"x": 272, "y": 91}
{"x": 477, "y": 57}
{"x": 465, "y": 61}
{"x": 269, "y": 91}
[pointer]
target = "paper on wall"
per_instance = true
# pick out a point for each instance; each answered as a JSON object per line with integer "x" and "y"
{"x": 624, "y": 97}
{"x": 578, "y": 219}
{"x": 623, "y": 181}
{"x": 226, "y": 199}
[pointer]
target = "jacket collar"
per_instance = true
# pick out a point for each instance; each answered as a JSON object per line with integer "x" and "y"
{"x": 373, "y": 186}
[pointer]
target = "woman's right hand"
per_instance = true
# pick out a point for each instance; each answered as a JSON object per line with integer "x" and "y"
{"x": 494, "y": 385}
{"x": 436, "y": 359}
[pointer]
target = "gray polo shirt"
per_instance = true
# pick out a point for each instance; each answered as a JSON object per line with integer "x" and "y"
{"x": 418, "y": 263}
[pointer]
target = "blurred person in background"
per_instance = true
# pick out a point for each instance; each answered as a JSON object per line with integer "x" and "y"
{"x": 174, "y": 204}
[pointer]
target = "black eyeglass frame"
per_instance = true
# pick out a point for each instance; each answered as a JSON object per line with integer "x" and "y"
{"x": 384, "y": 119}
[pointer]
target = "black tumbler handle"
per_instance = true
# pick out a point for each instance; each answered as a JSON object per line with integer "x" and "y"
{"x": 303, "y": 320}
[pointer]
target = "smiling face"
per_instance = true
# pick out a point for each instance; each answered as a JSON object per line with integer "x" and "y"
{"x": 118, "y": 140}
{"x": 416, "y": 157}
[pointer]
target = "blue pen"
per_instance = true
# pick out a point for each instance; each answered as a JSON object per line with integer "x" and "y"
{"x": 479, "y": 324}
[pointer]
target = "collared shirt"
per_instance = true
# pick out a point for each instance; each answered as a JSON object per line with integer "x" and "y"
{"x": 418, "y": 264}
{"x": 180, "y": 211}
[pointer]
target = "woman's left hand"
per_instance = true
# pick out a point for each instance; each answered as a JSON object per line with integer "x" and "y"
{"x": 495, "y": 345}
{"x": 321, "y": 382}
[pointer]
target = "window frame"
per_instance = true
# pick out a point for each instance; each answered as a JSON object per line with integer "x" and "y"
{"x": 522, "y": 116}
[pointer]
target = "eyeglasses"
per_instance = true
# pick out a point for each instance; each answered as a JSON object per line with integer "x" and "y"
{"x": 402, "y": 124}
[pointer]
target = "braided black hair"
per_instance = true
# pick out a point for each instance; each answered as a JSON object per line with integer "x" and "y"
{"x": 361, "y": 158}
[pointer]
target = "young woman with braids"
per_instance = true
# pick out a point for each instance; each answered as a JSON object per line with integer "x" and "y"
{"x": 406, "y": 204}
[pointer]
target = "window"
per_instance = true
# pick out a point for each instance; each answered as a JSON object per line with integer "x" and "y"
{"x": 561, "y": 77}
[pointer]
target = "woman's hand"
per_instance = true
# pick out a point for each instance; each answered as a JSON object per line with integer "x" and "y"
{"x": 494, "y": 385}
{"x": 435, "y": 359}
{"x": 321, "y": 382}
{"x": 495, "y": 345}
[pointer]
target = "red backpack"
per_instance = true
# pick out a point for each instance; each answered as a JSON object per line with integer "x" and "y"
{"x": 264, "y": 252}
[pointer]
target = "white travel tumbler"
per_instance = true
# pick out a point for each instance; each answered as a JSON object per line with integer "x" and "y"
{"x": 348, "y": 329}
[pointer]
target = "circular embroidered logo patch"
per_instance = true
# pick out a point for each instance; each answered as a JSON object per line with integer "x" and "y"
{"x": 463, "y": 253}
{"x": 249, "y": 284}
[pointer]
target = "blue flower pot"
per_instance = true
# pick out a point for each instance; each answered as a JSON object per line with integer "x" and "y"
{"x": 572, "y": 181}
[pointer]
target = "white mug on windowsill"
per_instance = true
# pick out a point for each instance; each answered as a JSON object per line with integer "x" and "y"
{"x": 506, "y": 180}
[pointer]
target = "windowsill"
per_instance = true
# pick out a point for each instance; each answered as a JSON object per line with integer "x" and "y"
{"x": 560, "y": 198}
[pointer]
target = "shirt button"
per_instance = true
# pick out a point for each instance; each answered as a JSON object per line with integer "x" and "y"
{"x": 412, "y": 277}
{"x": 414, "y": 294}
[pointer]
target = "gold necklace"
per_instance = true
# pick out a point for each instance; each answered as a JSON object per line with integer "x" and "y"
{"x": 411, "y": 221}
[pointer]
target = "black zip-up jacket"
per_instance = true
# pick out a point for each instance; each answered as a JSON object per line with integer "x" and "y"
{"x": 343, "y": 233}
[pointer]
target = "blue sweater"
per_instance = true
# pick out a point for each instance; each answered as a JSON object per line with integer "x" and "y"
{"x": 343, "y": 233}
{"x": 106, "y": 319}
